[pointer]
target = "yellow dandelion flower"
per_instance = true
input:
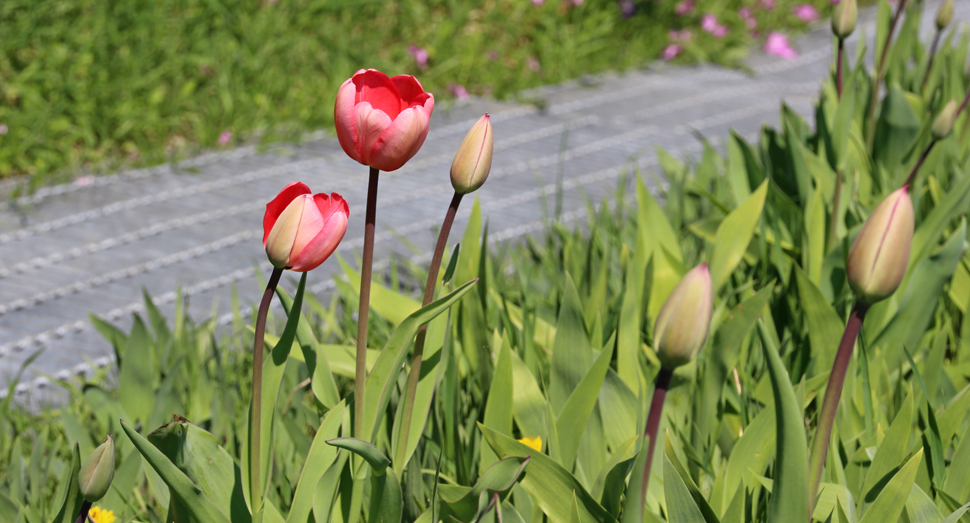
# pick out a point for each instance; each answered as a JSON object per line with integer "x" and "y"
{"x": 535, "y": 443}
{"x": 99, "y": 515}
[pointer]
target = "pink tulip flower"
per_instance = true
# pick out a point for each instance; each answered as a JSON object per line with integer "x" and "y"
{"x": 671, "y": 51}
{"x": 684, "y": 7}
{"x": 301, "y": 230}
{"x": 382, "y": 122}
{"x": 777, "y": 45}
{"x": 805, "y": 13}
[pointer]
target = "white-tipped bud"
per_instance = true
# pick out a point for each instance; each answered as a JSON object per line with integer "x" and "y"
{"x": 943, "y": 123}
{"x": 685, "y": 319}
{"x": 945, "y": 15}
{"x": 473, "y": 160}
{"x": 880, "y": 253}
{"x": 844, "y": 18}
{"x": 97, "y": 472}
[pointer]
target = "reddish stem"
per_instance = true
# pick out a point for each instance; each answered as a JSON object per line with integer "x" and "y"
{"x": 653, "y": 425}
{"x": 366, "y": 266}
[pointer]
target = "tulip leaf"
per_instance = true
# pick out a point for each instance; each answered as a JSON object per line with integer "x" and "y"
{"x": 71, "y": 500}
{"x": 572, "y": 421}
{"x": 321, "y": 377}
{"x": 549, "y": 484}
{"x": 734, "y": 234}
{"x": 529, "y": 407}
{"x": 939, "y": 218}
{"x": 956, "y": 515}
{"x": 891, "y": 453}
{"x": 499, "y": 406}
{"x": 198, "y": 507}
{"x": 386, "y": 502}
{"x": 382, "y": 380}
{"x": 789, "y": 498}
{"x": 318, "y": 460}
{"x": 896, "y": 130}
{"x": 695, "y": 492}
{"x": 393, "y": 306}
{"x": 681, "y": 507}
{"x": 892, "y": 500}
{"x": 325, "y": 492}
{"x": 824, "y": 325}
{"x": 371, "y": 454}
{"x": 571, "y": 352}
{"x": 497, "y": 479}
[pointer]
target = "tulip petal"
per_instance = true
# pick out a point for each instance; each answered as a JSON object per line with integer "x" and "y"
{"x": 311, "y": 223}
{"x": 375, "y": 88}
{"x": 322, "y": 245}
{"x": 410, "y": 90}
{"x": 371, "y": 125}
{"x": 345, "y": 119}
{"x": 401, "y": 140}
{"x": 279, "y": 204}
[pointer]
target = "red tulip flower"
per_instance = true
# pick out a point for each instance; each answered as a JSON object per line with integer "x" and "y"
{"x": 382, "y": 122}
{"x": 301, "y": 229}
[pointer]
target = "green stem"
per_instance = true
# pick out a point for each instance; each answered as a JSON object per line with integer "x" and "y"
{"x": 429, "y": 290}
{"x": 929, "y": 64}
{"x": 826, "y": 416}
{"x": 83, "y": 515}
{"x": 880, "y": 71}
{"x": 653, "y": 425}
{"x": 366, "y": 266}
{"x": 255, "y": 458}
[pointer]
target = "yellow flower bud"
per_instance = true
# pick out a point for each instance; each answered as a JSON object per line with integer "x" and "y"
{"x": 880, "y": 253}
{"x": 945, "y": 15}
{"x": 97, "y": 472}
{"x": 685, "y": 319}
{"x": 535, "y": 443}
{"x": 474, "y": 157}
{"x": 943, "y": 123}
{"x": 844, "y": 18}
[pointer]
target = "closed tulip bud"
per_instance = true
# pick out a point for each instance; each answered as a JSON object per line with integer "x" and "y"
{"x": 685, "y": 319}
{"x": 844, "y": 18}
{"x": 880, "y": 253}
{"x": 97, "y": 472}
{"x": 474, "y": 157}
{"x": 943, "y": 123}
{"x": 945, "y": 15}
{"x": 301, "y": 230}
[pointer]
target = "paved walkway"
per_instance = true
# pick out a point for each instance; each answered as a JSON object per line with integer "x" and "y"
{"x": 74, "y": 249}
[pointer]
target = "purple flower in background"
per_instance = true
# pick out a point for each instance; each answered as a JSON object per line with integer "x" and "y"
{"x": 538, "y": 2}
{"x": 683, "y": 35}
{"x": 420, "y": 56}
{"x": 768, "y": 4}
{"x": 577, "y": 2}
{"x": 670, "y": 52}
{"x": 749, "y": 20}
{"x": 533, "y": 64}
{"x": 684, "y": 7}
{"x": 225, "y": 137}
{"x": 777, "y": 45}
{"x": 627, "y": 8}
{"x": 709, "y": 24}
{"x": 492, "y": 55}
{"x": 805, "y": 13}
{"x": 459, "y": 91}
{"x": 3, "y": 128}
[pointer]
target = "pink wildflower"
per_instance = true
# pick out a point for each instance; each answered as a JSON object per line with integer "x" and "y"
{"x": 627, "y": 8}
{"x": 709, "y": 24}
{"x": 84, "y": 181}
{"x": 768, "y": 4}
{"x": 3, "y": 128}
{"x": 684, "y": 7}
{"x": 225, "y": 137}
{"x": 492, "y": 55}
{"x": 459, "y": 91}
{"x": 684, "y": 35}
{"x": 538, "y": 2}
{"x": 670, "y": 52}
{"x": 749, "y": 20}
{"x": 420, "y": 55}
{"x": 577, "y": 2}
{"x": 805, "y": 13}
{"x": 777, "y": 45}
{"x": 533, "y": 64}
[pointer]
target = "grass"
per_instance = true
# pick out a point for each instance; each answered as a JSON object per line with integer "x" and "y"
{"x": 91, "y": 85}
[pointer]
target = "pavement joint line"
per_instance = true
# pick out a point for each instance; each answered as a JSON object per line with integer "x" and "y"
{"x": 239, "y": 237}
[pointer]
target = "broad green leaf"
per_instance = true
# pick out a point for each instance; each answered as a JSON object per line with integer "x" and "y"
{"x": 321, "y": 377}
{"x": 813, "y": 247}
{"x": 198, "y": 455}
{"x": 199, "y": 508}
{"x": 571, "y": 353}
{"x": 619, "y": 408}
{"x": 325, "y": 493}
{"x": 751, "y": 452}
{"x": 891, "y": 502}
{"x": 382, "y": 380}
{"x": 529, "y": 406}
{"x": 891, "y": 453}
{"x": 138, "y": 375}
{"x": 896, "y": 129}
{"x": 790, "y": 496}
{"x": 617, "y": 465}
{"x": 574, "y": 416}
{"x": 920, "y": 507}
{"x": 499, "y": 478}
{"x": 371, "y": 454}
{"x": 70, "y": 505}
{"x": 550, "y": 485}
{"x": 939, "y": 218}
{"x": 386, "y": 503}
{"x": 634, "y": 508}
{"x": 317, "y": 462}
{"x": 824, "y": 325}
{"x": 734, "y": 234}
{"x": 10, "y": 510}
{"x": 953, "y": 518}
{"x": 501, "y": 398}
{"x": 695, "y": 492}
{"x": 681, "y": 507}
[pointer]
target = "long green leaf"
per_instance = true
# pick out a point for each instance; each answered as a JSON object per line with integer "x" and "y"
{"x": 322, "y": 384}
{"x": 681, "y": 507}
{"x": 572, "y": 421}
{"x": 891, "y": 502}
{"x": 318, "y": 460}
{"x": 71, "y": 501}
{"x": 734, "y": 234}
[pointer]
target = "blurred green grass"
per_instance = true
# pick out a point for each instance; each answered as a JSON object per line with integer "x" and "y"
{"x": 99, "y": 84}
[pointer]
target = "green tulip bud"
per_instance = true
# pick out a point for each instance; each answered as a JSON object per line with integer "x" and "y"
{"x": 685, "y": 319}
{"x": 945, "y": 15}
{"x": 880, "y": 253}
{"x": 474, "y": 157}
{"x": 844, "y": 18}
{"x": 943, "y": 123}
{"x": 98, "y": 471}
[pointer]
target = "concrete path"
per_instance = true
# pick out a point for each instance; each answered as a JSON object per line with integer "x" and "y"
{"x": 76, "y": 249}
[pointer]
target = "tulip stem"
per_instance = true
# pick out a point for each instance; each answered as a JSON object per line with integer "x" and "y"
{"x": 653, "y": 424}
{"x": 83, "y": 515}
{"x": 929, "y": 64}
{"x": 366, "y": 266}
{"x": 912, "y": 174}
{"x": 255, "y": 461}
{"x": 429, "y": 290}
{"x": 826, "y": 416}
{"x": 963, "y": 105}
{"x": 838, "y": 67}
{"x": 880, "y": 71}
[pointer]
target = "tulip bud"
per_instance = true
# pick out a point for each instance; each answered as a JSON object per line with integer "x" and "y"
{"x": 880, "y": 253}
{"x": 685, "y": 319}
{"x": 844, "y": 18}
{"x": 945, "y": 15}
{"x": 943, "y": 123}
{"x": 97, "y": 472}
{"x": 474, "y": 157}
